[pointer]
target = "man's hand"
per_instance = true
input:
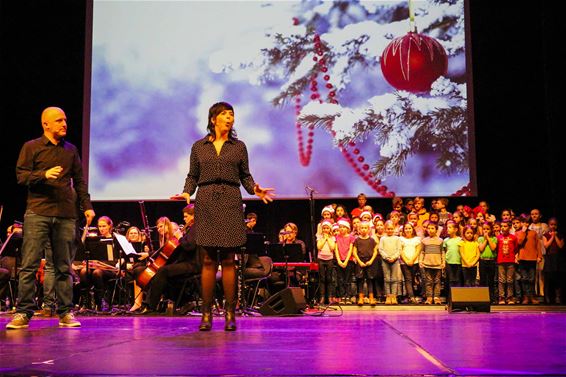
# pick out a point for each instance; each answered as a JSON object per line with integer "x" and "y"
{"x": 89, "y": 215}
{"x": 54, "y": 172}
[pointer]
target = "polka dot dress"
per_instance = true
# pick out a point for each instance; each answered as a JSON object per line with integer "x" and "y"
{"x": 219, "y": 213}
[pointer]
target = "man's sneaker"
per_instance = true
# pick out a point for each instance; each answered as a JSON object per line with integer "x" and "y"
{"x": 19, "y": 321}
{"x": 68, "y": 320}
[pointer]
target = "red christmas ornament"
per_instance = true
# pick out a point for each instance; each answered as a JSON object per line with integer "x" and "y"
{"x": 413, "y": 62}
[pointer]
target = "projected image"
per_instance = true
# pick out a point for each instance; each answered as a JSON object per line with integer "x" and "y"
{"x": 337, "y": 97}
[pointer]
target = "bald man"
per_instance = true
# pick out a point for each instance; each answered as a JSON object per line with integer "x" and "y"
{"x": 50, "y": 168}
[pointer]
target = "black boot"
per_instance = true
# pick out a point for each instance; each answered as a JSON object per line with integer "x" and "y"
{"x": 230, "y": 324}
{"x": 206, "y": 321}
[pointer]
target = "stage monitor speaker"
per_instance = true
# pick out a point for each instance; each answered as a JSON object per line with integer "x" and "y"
{"x": 287, "y": 301}
{"x": 474, "y": 299}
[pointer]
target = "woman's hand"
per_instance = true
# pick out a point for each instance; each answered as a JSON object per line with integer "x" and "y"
{"x": 182, "y": 196}
{"x": 265, "y": 194}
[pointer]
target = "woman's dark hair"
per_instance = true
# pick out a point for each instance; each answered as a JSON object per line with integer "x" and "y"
{"x": 213, "y": 112}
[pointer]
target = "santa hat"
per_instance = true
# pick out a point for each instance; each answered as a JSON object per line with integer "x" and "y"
{"x": 377, "y": 216}
{"x": 365, "y": 213}
{"x": 326, "y": 222}
{"x": 335, "y": 226}
{"x": 327, "y": 209}
{"x": 344, "y": 222}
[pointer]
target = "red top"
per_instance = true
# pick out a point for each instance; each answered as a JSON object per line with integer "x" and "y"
{"x": 507, "y": 246}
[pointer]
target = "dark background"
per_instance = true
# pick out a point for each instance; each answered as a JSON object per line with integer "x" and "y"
{"x": 517, "y": 72}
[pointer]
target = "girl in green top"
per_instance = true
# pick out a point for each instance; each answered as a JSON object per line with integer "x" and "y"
{"x": 488, "y": 264}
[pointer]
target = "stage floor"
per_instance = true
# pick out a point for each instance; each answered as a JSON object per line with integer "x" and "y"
{"x": 397, "y": 341}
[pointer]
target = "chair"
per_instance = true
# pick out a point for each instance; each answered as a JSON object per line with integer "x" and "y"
{"x": 255, "y": 283}
{"x": 190, "y": 288}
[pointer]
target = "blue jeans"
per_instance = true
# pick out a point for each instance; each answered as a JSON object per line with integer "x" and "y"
{"x": 39, "y": 233}
{"x": 392, "y": 276}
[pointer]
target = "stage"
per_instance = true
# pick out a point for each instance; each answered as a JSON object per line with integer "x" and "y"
{"x": 383, "y": 341}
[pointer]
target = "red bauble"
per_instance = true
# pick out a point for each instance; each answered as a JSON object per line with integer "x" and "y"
{"x": 413, "y": 62}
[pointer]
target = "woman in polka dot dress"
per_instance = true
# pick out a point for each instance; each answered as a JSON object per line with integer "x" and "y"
{"x": 218, "y": 164}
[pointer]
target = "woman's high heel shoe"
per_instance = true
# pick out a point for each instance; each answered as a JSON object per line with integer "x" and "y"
{"x": 230, "y": 321}
{"x": 206, "y": 321}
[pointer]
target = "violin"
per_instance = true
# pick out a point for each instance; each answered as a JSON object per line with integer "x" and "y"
{"x": 163, "y": 255}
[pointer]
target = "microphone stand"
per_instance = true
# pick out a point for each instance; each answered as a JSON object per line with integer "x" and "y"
{"x": 312, "y": 221}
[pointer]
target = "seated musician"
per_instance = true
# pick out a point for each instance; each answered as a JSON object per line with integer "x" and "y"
{"x": 98, "y": 275}
{"x": 182, "y": 263}
{"x": 136, "y": 237}
{"x": 251, "y": 222}
{"x": 254, "y": 268}
{"x": 7, "y": 265}
{"x": 287, "y": 236}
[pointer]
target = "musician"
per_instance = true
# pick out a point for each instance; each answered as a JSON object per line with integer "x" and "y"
{"x": 98, "y": 275}
{"x": 288, "y": 236}
{"x": 251, "y": 222}
{"x": 8, "y": 262}
{"x": 181, "y": 264}
{"x": 135, "y": 236}
{"x": 166, "y": 231}
{"x": 4, "y": 280}
{"x": 218, "y": 165}
{"x": 50, "y": 167}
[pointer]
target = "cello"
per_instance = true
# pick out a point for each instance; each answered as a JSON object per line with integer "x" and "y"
{"x": 163, "y": 255}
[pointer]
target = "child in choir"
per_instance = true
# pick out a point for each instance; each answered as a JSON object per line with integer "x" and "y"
{"x": 553, "y": 263}
{"x": 366, "y": 216}
{"x": 340, "y": 213}
{"x": 506, "y": 248}
{"x": 516, "y": 227}
{"x": 451, "y": 247}
{"x": 496, "y": 227}
{"x": 335, "y": 229}
{"x": 470, "y": 254}
{"x": 460, "y": 222}
{"x": 365, "y": 252}
{"x": 395, "y": 218}
{"x": 390, "y": 251}
{"x": 327, "y": 213}
{"x": 433, "y": 217}
{"x": 345, "y": 261}
{"x": 432, "y": 260}
{"x": 409, "y": 206}
{"x": 362, "y": 200}
{"x": 442, "y": 209}
{"x": 326, "y": 245}
{"x": 488, "y": 248}
{"x": 355, "y": 222}
{"x": 378, "y": 228}
{"x": 473, "y": 223}
{"x": 420, "y": 210}
{"x": 377, "y": 232}
{"x": 413, "y": 218}
{"x": 397, "y": 205}
{"x": 530, "y": 254}
{"x": 410, "y": 250}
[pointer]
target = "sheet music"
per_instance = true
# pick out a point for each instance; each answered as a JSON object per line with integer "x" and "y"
{"x": 125, "y": 244}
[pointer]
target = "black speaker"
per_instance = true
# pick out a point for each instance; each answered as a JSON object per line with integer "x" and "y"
{"x": 287, "y": 301}
{"x": 474, "y": 299}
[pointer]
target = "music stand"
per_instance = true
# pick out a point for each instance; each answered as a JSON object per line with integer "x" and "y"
{"x": 255, "y": 244}
{"x": 96, "y": 248}
{"x": 288, "y": 252}
{"x": 12, "y": 248}
{"x": 125, "y": 250}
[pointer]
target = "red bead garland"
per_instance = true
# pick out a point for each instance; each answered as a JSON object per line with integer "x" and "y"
{"x": 354, "y": 158}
